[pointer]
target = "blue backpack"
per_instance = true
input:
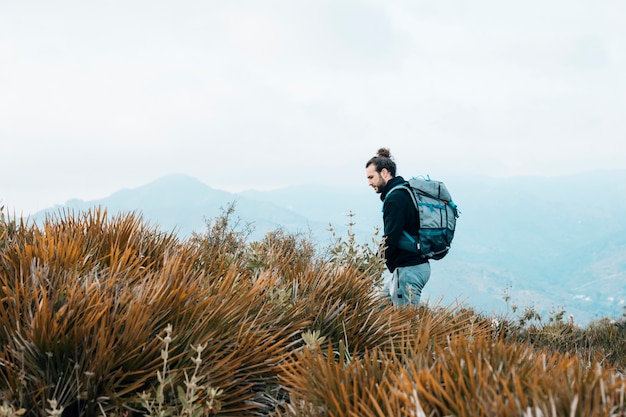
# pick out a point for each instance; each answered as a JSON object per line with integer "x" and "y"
{"x": 437, "y": 214}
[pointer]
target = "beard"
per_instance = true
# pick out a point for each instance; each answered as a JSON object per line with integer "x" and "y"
{"x": 379, "y": 187}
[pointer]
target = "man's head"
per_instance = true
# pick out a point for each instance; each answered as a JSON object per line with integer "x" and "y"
{"x": 380, "y": 169}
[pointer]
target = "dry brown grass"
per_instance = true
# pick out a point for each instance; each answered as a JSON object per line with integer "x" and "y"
{"x": 108, "y": 316}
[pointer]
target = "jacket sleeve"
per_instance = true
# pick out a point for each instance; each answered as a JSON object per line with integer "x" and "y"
{"x": 395, "y": 218}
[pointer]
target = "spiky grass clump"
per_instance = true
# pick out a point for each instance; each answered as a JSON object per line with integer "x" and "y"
{"x": 602, "y": 341}
{"x": 475, "y": 376}
{"x": 328, "y": 379}
{"x": 72, "y": 324}
{"x": 86, "y": 300}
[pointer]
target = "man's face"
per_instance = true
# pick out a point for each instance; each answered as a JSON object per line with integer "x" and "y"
{"x": 375, "y": 179}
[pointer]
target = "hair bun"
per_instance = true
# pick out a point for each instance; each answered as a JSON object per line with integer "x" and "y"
{"x": 383, "y": 153}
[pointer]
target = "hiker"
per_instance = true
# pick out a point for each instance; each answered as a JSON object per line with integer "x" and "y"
{"x": 410, "y": 271}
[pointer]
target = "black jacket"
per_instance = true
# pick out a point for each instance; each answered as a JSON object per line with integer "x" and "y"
{"x": 399, "y": 214}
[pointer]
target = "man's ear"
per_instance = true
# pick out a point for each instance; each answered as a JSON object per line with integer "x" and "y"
{"x": 385, "y": 174}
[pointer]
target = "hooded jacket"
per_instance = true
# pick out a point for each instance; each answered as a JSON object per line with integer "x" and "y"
{"x": 399, "y": 214}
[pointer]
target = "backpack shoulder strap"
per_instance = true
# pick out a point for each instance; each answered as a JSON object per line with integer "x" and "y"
{"x": 406, "y": 186}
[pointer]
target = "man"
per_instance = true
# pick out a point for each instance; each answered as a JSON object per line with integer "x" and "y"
{"x": 410, "y": 271}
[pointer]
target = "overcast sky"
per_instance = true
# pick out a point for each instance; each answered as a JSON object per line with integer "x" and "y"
{"x": 96, "y": 96}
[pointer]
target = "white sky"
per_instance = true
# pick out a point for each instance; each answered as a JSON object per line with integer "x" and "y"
{"x": 99, "y": 96}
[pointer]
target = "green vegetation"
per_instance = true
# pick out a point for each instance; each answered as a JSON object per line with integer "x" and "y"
{"x": 107, "y": 316}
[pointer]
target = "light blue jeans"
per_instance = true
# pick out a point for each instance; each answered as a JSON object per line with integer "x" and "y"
{"x": 407, "y": 283}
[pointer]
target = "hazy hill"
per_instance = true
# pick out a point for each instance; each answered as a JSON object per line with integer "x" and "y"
{"x": 183, "y": 204}
{"x": 546, "y": 242}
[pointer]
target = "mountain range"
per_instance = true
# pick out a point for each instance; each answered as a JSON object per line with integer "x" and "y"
{"x": 550, "y": 243}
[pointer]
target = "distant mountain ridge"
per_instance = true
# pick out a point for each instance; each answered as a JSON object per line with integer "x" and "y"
{"x": 182, "y": 204}
{"x": 543, "y": 242}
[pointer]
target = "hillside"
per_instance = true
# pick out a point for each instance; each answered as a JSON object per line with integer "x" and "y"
{"x": 549, "y": 243}
{"x": 103, "y": 316}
